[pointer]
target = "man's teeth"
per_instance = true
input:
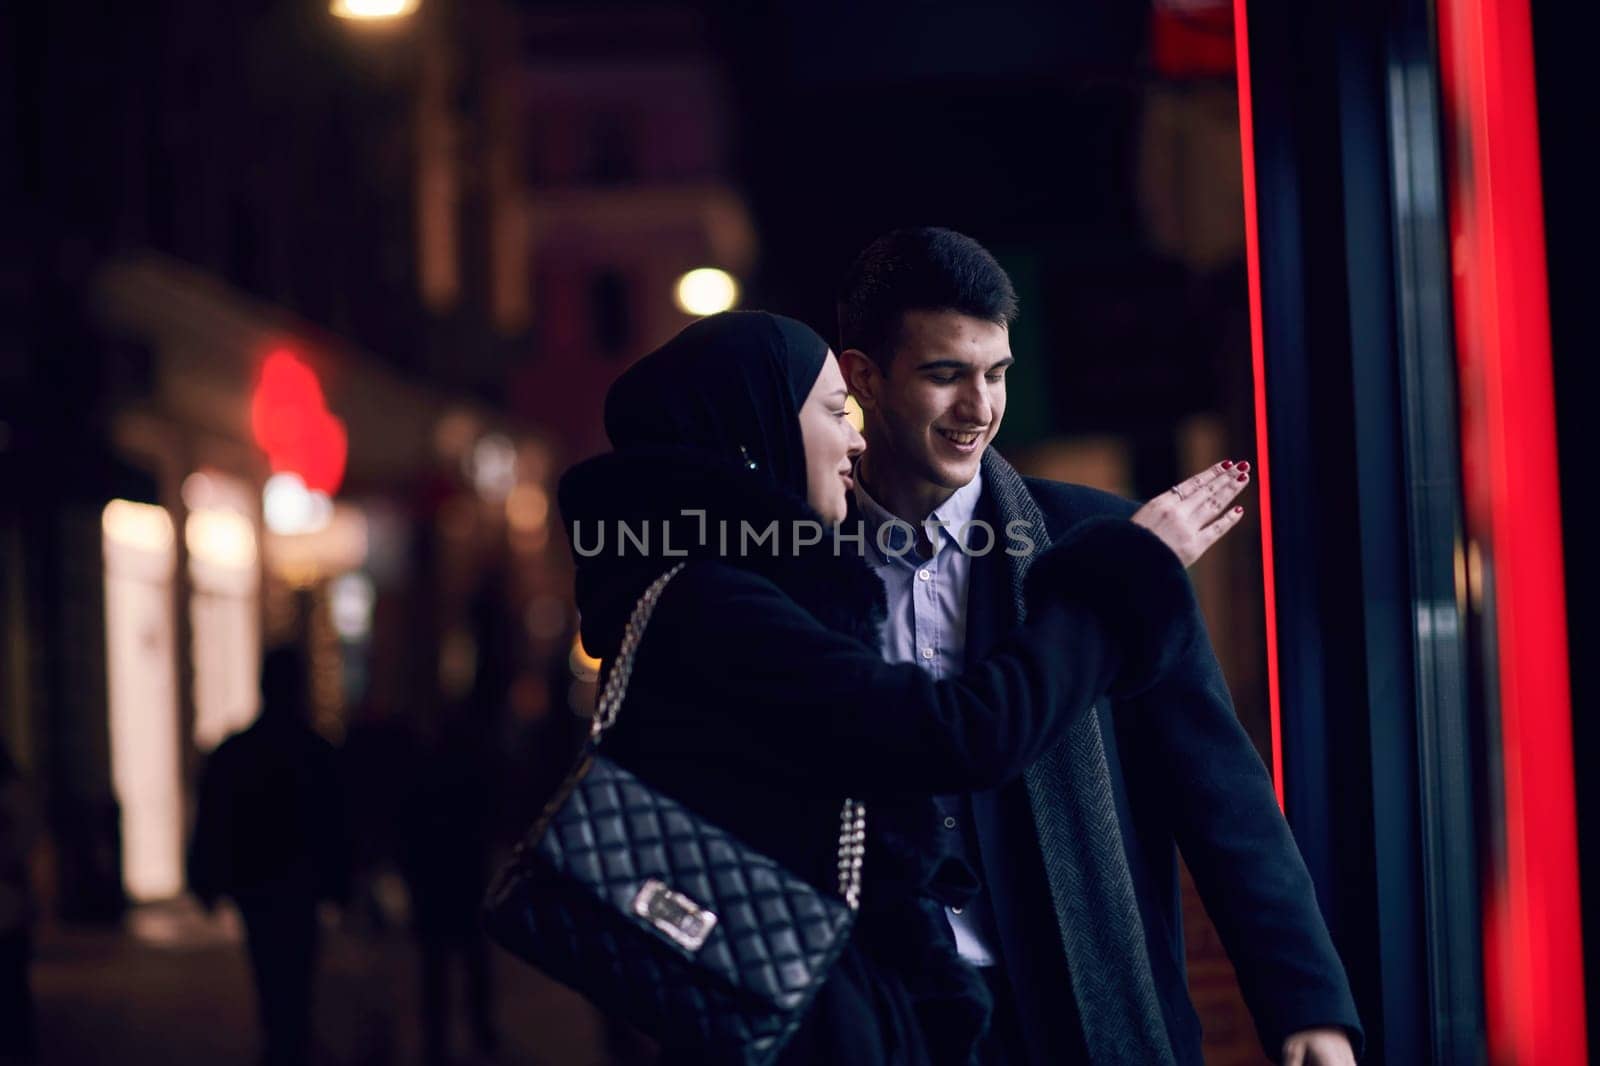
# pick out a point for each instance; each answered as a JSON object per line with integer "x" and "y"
{"x": 960, "y": 438}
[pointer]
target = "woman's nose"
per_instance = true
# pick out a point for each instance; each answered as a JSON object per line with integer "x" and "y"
{"x": 858, "y": 443}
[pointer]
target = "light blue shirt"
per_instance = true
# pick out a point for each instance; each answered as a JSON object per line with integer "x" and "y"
{"x": 927, "y": 625}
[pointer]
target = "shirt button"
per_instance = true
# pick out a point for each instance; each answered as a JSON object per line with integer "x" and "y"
{"x": 927, "y": 653}
{"x": 949, "y": 823}
{"x": 924, "y": 575}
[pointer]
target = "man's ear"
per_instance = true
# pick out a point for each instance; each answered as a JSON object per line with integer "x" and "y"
{"x": 861, "y": 376}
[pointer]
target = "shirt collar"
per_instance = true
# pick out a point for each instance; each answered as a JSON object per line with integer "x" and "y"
{"x": 956, "y": 513}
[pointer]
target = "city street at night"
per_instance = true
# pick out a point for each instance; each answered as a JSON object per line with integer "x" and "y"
{"x": 797, "y": 533}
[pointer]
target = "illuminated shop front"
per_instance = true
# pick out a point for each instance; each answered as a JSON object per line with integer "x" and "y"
{"x": 299, "y": 495}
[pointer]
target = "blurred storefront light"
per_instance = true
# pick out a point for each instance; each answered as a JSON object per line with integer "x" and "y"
{"x": 492, "y": 466}
{"x": 288, "y": 507}
{"x": 339, "y": 546}
{"x": 290, "y": 420}
{"x": 140, "y": 551}
{"x": 585, "y": 667}
{"x": 454, "y": 433}
{"x": 527, "y": 509}
{"x": 458, "y": 663}
{"x": 350, "y": 600}
{"x": 371, "y": 10}
{"x": 707, "y": 291}
{"x": 852, "y": 411}
{"x": 224, "y": 603}
{"x": 199, "y": 491}
{"x": 141, "y": 526}
{"x": 220, "y": 538}
{"x": 546, "y": 617}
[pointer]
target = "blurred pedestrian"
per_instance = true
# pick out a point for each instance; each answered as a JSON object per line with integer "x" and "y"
{"x": 449, "y": 827}
{"x": 377, "y": 760}
{"x": 269, "y": 832}
{"x": 447, "y": 848}
{"x": 16, "y": 916}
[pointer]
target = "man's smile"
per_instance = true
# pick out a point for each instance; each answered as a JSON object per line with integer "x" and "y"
{"x": 963, "y": 440}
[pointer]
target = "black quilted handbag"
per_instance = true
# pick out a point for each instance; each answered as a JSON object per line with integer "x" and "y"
{"x": 661, "y": 918}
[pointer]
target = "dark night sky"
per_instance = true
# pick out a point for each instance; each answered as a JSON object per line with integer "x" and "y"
{"x": 1010, "y": 121}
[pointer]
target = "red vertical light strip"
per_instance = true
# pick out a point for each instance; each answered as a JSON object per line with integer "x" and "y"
{"x": 1533, "y": 963}
{"x": 1258, "y": 362}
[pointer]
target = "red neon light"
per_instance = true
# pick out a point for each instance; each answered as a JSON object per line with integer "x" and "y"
{"x": 1189, "y": 39}
{"x": 292, "y": 424}
{"x": 1258, "y": 363}
{"x": 1533, "y": 962}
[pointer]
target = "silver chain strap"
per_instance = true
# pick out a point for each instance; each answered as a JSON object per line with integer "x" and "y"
{"x": 852, "y": 816}
{"x": 852, "y": 850}
{"x": 610, "y": 702}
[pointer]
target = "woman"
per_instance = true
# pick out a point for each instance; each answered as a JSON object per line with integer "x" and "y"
{"x": 758, "y": 695}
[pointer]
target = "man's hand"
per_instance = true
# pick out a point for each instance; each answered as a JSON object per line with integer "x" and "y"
{"x": 1193, "y": 515}
{"x": 1318, "y": 1047}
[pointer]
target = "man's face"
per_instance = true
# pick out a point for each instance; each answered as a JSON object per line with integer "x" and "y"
{"x": 931, "y": 416}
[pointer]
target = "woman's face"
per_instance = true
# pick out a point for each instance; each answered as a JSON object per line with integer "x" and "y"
{"x": 831, "y": 443}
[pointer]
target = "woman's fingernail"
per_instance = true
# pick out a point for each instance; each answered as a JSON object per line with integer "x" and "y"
{"x": 1244, "y": 465}
{"x": 1238, "y": 510}
{"x": 1227, "y": 464}
{"x": 1244, "y": 477}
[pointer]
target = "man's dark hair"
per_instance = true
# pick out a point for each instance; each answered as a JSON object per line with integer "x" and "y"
{"x": 921, "y": 269}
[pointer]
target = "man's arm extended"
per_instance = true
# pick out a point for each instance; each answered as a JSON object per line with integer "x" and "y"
{"x": 1185, "y": 744}
{"x": 1184, "y": 753}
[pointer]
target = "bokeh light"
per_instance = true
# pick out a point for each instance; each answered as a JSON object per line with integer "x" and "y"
{"x": 707, "y": 291}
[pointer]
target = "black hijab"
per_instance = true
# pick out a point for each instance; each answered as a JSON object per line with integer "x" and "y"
{"x": 731, "y": 384}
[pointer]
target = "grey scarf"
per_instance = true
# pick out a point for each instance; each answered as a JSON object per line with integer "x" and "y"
{"x": 1069, "y": 789}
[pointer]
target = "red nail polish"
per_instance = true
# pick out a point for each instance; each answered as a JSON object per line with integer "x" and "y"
{"x": 1227, "y": 463}
{"x": 1244, "y": 477}
{"x": 1238, "y": 510}
{"x": 1244, "y": 465}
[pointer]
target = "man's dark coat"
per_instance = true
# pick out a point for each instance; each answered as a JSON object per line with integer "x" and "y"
{"x": 1183, "y": 773}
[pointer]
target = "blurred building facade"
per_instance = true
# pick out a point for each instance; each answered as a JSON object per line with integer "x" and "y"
{"x": 626, "y": 185}
{"x": 453, "y": 231}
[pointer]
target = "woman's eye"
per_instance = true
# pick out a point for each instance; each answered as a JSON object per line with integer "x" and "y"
{"x": 840, "y": 413}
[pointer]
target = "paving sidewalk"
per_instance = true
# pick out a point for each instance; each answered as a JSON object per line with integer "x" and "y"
{"x": 172, "y": 987}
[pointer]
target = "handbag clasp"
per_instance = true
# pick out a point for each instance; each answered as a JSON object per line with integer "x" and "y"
{"x": 684, "y": 921}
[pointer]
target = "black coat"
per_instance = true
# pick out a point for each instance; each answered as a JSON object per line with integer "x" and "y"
{"x": 760, "y": 698}
{"x": 269, "y": 823}
{"x": 1185, "y": 776}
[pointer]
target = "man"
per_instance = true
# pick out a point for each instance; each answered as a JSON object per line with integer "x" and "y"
{"x": 1078, "y": 929}
{"x": 269, "y": 832}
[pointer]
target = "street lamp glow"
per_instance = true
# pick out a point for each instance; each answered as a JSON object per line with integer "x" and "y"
{"x": 707, "y": 291}
{"x": 373, "y": 9}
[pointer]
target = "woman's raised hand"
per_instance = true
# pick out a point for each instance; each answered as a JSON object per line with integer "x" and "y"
{"x": 1193, "y": 515}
